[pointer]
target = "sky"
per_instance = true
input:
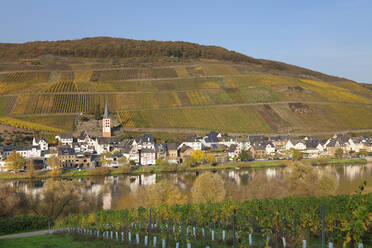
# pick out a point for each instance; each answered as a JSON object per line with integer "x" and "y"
{"x": 331, "y": 36}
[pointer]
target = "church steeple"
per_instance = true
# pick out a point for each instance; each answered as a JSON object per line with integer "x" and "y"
{"x": 106, "y": 123}
{"x": 106, "y": 114}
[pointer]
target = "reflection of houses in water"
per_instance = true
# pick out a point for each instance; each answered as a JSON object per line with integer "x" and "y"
{"x": 148, "y": 180}
{"x": 235, "y": 176}
{"x": 107, "y": 199}
{"x": 271, "y": 173}
{"x": 141, "y": 180}
{"x": 29, "y": 188}
{"x": 352, "y": 172}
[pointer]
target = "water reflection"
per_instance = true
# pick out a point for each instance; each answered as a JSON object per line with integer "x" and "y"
{"x": 145, "y": 190}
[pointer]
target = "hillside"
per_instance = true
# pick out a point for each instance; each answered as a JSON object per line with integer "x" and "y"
{"x": 178, "y": 85}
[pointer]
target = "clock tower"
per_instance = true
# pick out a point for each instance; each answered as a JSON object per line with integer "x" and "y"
{"x": 106, "y": 123}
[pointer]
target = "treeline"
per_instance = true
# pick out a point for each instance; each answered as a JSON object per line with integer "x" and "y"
{"x": 107, "y": 47}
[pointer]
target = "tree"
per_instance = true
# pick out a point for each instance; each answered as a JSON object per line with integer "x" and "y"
{"x": 199, "y": 156}
{"x": 97, "y": 113}
{"x": 54, "y": 164}
{"x": 208, "y": 187}
{"x": 123, "y": 161}
{"x": 339, "y": 153}
{"x": 295, "y": 154}
{"x": 105, "y": 159}
{"x": 210, "y": 158}
{"x": 30, "y": 167}
{"x": 15, "y": 162}
{"x": 190, "y": 162}
{"x": 245, "y": 156}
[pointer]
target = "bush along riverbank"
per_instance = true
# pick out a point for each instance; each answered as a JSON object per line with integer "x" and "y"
{"x": 126, "y": 169}
{"x": 343, "y": 221}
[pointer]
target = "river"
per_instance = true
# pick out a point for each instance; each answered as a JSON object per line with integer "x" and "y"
{"x": 126, "y": 191}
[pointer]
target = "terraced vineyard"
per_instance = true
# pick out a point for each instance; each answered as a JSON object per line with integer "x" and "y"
{"x": 206, "y": 96}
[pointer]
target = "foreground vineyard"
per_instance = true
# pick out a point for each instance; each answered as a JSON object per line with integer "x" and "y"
{"x": 347, "y": 221}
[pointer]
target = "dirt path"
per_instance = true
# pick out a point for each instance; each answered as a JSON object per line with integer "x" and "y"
{"x": 27, "y": 234}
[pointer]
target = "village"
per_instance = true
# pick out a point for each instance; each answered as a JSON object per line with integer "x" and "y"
{"x": 84, "y": 151}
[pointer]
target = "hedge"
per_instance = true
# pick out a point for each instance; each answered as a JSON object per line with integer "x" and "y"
{"x": 23, "y": 223}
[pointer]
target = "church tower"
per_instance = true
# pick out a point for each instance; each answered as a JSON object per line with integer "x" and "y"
{"x": 106, "y": 123}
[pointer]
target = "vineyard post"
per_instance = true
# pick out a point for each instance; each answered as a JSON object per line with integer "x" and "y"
{"x": 182, "y": 228}
{"x": 150, "y": 223}
{"x": 234, "y": 223}
{"x": 323, "y": 225}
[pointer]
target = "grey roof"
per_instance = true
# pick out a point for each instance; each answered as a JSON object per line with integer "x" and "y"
{"x": 26, "y": 148}
{"x": 256, "y": 139}
{"x": 212, "y": 137}
{"x": 38, "y": 139}
{"x": 184, "y": 148}
{"x": 83, "y": 135}
{"x": 192, "y": 138}
{"x": 108, "y": 140}
{"x": 106, "y": 114}
{"x": 145, "y": 138}
{"x": 126, "y": 146}
{"x": 65, "y": 150}
{"x": 6, "y": 148}
{"x": 279, "y": 138}
{"x": 172, "y": 146}
{"x": 232, "y": 148}
{"x": 313, "y": 143}
{"x": 66, "y": 136}
{"x": 160, "y": 148}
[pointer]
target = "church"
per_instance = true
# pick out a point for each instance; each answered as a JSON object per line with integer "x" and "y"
{"x": 106, "y": 123}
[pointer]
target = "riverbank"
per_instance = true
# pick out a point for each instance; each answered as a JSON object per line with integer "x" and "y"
{"x": 173, "y": 168}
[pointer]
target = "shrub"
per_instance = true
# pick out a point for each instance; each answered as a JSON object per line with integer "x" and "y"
{"x": 100, "y": 171}
{"x": 23, "y": 223}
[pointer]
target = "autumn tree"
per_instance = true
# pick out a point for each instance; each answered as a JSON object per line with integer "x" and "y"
{"x": 190, "y": 162}
{"x": 210, "y": 158}
{"x": 106, "y": 159}
{"x": 15, "y": 162}
{"x": 198, "y": 155}
{"x": 53, "y": 163}
{"x": 208, "y": 187}
{"x": 245, "y": 156}
{"x": 339, "y": 153}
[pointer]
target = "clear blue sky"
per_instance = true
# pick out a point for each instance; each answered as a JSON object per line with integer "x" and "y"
{"x": 331, "y": 36}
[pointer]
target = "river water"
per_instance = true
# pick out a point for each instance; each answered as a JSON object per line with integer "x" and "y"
{"x": 116, "y": 192}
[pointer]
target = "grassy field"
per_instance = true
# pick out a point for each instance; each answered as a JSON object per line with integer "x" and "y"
{"x": 57, "y": 241}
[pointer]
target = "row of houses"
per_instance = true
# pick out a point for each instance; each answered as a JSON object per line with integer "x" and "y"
{"x": 85, "y": 151}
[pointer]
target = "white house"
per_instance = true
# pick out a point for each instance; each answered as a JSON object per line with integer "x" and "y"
{"x": 29, "y": 151}
{"x": 296, "y": 144}
{"x": 147, "y": 156}
{"x": 270, "y": 148}
{"x": 193, "y": 141}
{"x": 66, "y": 139}
{"x": 42, "y": 142}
